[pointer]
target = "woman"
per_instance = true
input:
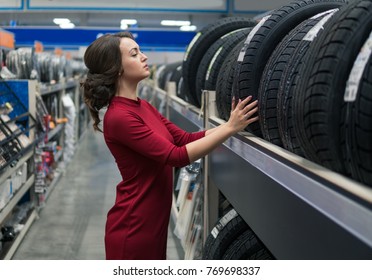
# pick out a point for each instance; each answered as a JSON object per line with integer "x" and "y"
{"x": 144, "y": 144}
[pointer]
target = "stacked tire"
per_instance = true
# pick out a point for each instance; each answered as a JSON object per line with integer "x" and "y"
{"x": 232, "y": 239}
{"x": 200, "y": 46}
{"x": 334, "y": 112}
{"x": 282, "y": 64}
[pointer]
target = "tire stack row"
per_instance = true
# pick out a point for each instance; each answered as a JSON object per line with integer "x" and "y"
{"x": 309, "y": 65}
{"x": 46, "y": 67}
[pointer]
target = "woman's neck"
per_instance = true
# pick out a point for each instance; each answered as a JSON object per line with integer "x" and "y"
{"x": 127, "y": 90}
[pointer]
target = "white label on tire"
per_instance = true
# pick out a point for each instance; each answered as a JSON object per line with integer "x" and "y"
{"x": 313, "y": 32}
{"x": 251, "y": 34}
{"x": 191, "y": 45}
{"x": 223, "y": 222}
{"x": 356, "y": 72}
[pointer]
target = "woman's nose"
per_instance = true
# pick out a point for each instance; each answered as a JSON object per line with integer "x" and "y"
{"x": 144, "y": 57}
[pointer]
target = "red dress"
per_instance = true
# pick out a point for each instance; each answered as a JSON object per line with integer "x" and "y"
{"x": 145, "y": 146}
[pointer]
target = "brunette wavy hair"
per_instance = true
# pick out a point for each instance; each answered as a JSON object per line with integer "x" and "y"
{"x": 103, "y": 60}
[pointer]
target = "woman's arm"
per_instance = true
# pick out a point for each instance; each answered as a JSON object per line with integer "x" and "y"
{"x": 211, "y": 130}
{"x": 240, "y": 117}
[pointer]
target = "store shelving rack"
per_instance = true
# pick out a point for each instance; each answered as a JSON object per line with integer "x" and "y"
{"x": 298, "y": 209}
{"x": 27, "y": 91}
{"x": 20, "y": 95}
{"x": 58, "y": 90}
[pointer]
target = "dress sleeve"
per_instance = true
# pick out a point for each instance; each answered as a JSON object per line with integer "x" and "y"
{"x": 180, "y": 136}
{"x": 138, "y": 136}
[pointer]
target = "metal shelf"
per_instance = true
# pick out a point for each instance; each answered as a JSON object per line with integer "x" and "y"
{"x": 71, "y": 83}
{"x": 16, "y": 197}
{"x": 15, "y": 244}
{"x": 46, "y": 89}
{"x": 298, "y": 209}
{"x": 51, "y": 88}
{"x": 10, "y": 170}
{"x": 55, "y": 131}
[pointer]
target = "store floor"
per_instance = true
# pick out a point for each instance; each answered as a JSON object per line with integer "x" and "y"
{"x": 71, "y": 225}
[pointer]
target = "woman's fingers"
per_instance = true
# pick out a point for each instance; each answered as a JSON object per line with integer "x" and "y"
{"x": 252, "y": 120}
{"x": 233, "y": 103}
{"x": 244, "y": 102}
{"x": 250, "y": 106}
{"x": 240, "y": 104}
{"x": 243, "y": 110}
{"x": 250, "y": 113}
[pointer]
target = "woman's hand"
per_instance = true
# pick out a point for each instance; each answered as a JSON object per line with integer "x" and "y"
{"x": 241, "y": 114}
{"x": 240, "y": 117}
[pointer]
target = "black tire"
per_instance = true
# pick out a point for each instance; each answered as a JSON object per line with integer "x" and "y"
{"x": 288, "y": 82}
{"x": 167, "y": 73}
{"x": 358, "y": 145}
{"x": 181, "y": 91}
{"x": 247, "y": 247}
{"x": 269, "y": 90}
{"x": 318, "y": 103}
{"x": 265, "y": 37}
{"x": 176, "y": 76}
{"x": 227, "y": 229}
{"x": 224, "y": 205}
{"x": 159, "y": 74}
{"x": 200, "y": 44}
{"x": 224, "y": 84}
{"x": 213, "y": 58}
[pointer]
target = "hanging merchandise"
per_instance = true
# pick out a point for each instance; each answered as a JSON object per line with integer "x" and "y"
{"x": 69, "y": 143}
{"x": 21, "y": 63}
{"x": 78, "y": 68}
{"x": 67, "y": 69}
{"x": 45, "y": 165}
{"x": 193, "y": 249}
{"x": 188, "y": 225}
{"x": 6, "y": 74}
{"x": 58, "y": 65}
{"x": 44, "y": 67}
{"x": 42, "y": 115}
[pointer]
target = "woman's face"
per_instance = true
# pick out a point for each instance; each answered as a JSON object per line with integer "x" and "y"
{"x": 134, "y": 62}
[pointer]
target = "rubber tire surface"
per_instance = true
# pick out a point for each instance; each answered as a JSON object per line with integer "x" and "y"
{"x": 265, "y": 39}
{"x": 226, "y": 230}
{"x": 358, "y": 146}
{"x": 247, "y": 247}
{"x": 318, "y": 105}
{"x": 225, "y": 79}
{"x": 210, "y": 65}
{"x": 176, "y": 76}
{"x": 200, "y": 44}
{"x": 269, "y": 90}
{"x": 167, "y": 73}
{"x": 287, "y": 85}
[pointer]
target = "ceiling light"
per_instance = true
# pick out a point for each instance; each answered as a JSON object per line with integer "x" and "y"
{"x": 61, "y": 20}
{"x": 175, "y": 22}
{"x": 124, "y": 26}
{"x": 188, "y": 28}
{"x": 67, "y": 25}
{"x": 128, "y": 21}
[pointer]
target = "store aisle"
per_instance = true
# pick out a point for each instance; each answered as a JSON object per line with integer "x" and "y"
{"x": 71, "y": 225}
